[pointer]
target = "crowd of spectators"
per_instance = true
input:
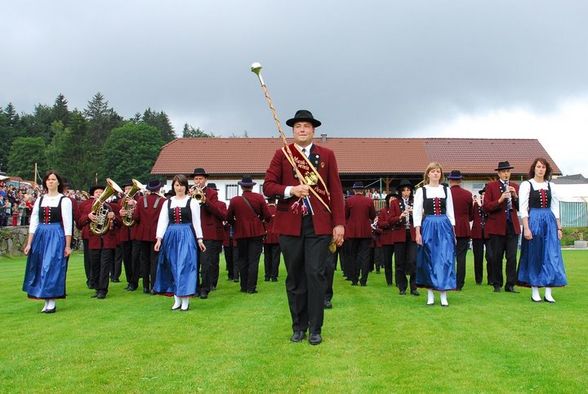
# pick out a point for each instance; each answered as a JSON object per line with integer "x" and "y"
{"x": 16, "y": 204}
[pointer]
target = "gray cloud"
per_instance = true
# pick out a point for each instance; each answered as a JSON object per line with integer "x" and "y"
{"x": 379, "y": 68}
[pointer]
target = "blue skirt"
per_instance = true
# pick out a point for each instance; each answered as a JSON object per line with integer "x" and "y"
{"x": 436, "y": 257}
{"x": 46, "y": 266}
{"x": 177, "y": 262}
{"x": 541, "y": 264}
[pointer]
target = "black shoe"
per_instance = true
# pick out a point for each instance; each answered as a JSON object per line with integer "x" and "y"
{"x": 131, "y": 288}
{"x": 115, "y": 280}
{"x": 497, "y": 289}
{"x": 152, "y": 292}
{"x": 274, "y": 279}
{"x": 251, "y": 291}
{"x": 243, "y": 290}
{"x": 95, "y": 295}
{"x": 511, "y": 289}
{"x": 415, "y": 292}
{"x": 101, "y": 295}
{"x": 315, "y": 339}
{"x": 402, "y": 292}
{"x": 266, "y": 280}
{"x": 236, "y": 280}
{"x": 146, "y": 291}
{"x": 546, "y": 300}
{"x": 203, "y": 296}
{"x": 328, "y": 304}
{"x": 298, "y": 336}
{"x": 534, "y": 300}
{"x": 50, "y": 310}
{"x": 458, "y": 289}
{"x": 353, "y": 283}
{"x": 363, "y": 284}
{"x": 478, "y": 283}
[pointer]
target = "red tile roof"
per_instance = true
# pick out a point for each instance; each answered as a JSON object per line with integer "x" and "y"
{"x": 235, "y": 156}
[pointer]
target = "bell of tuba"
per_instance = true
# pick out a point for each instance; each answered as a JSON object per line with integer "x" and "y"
{"x": 100, "y": 210}
{"x": 128, "y": 218}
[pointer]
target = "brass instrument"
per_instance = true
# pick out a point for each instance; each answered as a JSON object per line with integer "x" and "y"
{"x": 103, "y": 223}
{"x": 128, "y": 218}
{"x": 197, "y": 193}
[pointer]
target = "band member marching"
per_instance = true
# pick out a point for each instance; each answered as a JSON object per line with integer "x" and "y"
{"x": 405, "y": 246}
{"x": 480, "y": 244}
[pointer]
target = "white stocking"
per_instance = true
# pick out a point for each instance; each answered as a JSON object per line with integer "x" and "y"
{"x": 430, "y": 297}
{"x": 444, "y": 298}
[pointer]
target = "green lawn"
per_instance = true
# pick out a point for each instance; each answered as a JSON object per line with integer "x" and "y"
{"x": 374, "y": 340}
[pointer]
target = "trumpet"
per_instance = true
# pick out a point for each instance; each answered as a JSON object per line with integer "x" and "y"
{"x": 128, "y": 218}
{"x": 197, "y": 193}
{"x": 101, "y": 210}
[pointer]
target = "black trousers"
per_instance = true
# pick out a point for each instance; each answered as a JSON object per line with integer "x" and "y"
{"x": 388, "y": 253}
{"x": 127, "y": 259}
{"x": 101, "y": 260}
{"x": 479, "y": 246}
{"x": 147, "y": 260}
{"x": 271, "y": 260}
{"x": 87, "y": 264}
{"x": 248, "y": 256}
{"x": 330, "y": 267}
{"x": 504, "y": 246}
{"x": 461, "y": 251}
{"x": 117, "y": 263}
{"x": 228, "y": 251}
{"x": 209, "y": 265}
{"x": 359, "y": 259}
{"x": 378, "y": 257}
{"x": 305, "y": 258}
{"x": 344, "y": 259}
{"x": 405, "y": 264}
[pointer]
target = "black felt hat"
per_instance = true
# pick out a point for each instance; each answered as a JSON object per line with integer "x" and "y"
{"x": 455, "y": 175}
{"x": 154, "y": 185}
{"x": 503, "y": 165}
{"x": 247, "y": 181}
{"x": 200, "y": 171}
{"x": 303, "y": 115}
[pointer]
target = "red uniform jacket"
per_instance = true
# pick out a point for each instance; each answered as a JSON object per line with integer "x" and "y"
{"x": 106, "y": 241}
{"x": 386, "y": 223}
{"x": 480, "y": 218}
{"x": 496, "y": 223}
{"x": 146, "y": 216}
{"x": 271, "y": 237}
{"x": 248, "y": 222}
{"x": 359, "y": 213}
{"x": 280, "y": 174}
{"x": 84, "y": 206}
{"x": 462, "y": 210}
{"x": 399, "y": 225}
{"x": 212, "y": 215}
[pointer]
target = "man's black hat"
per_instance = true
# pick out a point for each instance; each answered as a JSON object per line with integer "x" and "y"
{"x": 405, "y": 183}
{"x": 154, "y": 185}
{"x": 358, "y": 185}
{"x": 303, "y": 115}
{"x": 212, "y": 185}
{"x": 247, "y": 181}
{"x": 503, "y": 165}
{"x": 199, "y": 171}
{"x": 94, "y": 188}
{"x": 455, "y": 175}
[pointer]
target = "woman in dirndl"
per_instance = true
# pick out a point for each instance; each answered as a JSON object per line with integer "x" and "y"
{"x": 48, "y": 244}
{"x": 178, "y": 234}
{"x": 434, "y": 221}
{"x": 541, "y": 263}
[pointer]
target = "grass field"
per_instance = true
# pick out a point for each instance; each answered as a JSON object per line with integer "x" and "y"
{"x": 374, "y": 340}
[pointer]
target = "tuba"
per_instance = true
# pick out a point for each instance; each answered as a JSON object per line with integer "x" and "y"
{"x": 197, "y": 193}
{"x": 128, "y": 218}
{"x": 102, "y": 223}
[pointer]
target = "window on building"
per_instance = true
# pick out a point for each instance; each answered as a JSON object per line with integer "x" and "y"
{"x": 231, "y": 191}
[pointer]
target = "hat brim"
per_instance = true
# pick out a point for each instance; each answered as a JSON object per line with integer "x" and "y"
{"x": 504, "y": 168}
{"x": 292, "y": 122}
{"x": 246, "y": 184}
{"x": 455, "y": 178}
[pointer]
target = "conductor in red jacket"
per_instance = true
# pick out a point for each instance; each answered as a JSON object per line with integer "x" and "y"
{"x": 359, "y": 214}
{"x": 463, "y": 211}
{"x": 308, "y": 218}
{"x": 501, "y": 202}
{"x": 247, "y": 213}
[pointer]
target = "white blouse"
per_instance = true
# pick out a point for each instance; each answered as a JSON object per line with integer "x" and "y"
{"x": 48, "y": 201}
{"x": 174, "y": 202}
{"x": 432, "y": 192}
{"x": 525, "y": 191}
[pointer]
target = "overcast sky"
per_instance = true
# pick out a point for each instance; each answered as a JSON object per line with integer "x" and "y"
{"x": 415, "y": 68}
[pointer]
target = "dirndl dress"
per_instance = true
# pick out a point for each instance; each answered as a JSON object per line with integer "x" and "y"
{"x": 177, "y": 271}
{"x": 46, "y": 267}
{"x": 541, "y": 263}
{"x": 436, "y": 256}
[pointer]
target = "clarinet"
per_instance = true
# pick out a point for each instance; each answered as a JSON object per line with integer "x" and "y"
{"x": 407, "y": 207}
